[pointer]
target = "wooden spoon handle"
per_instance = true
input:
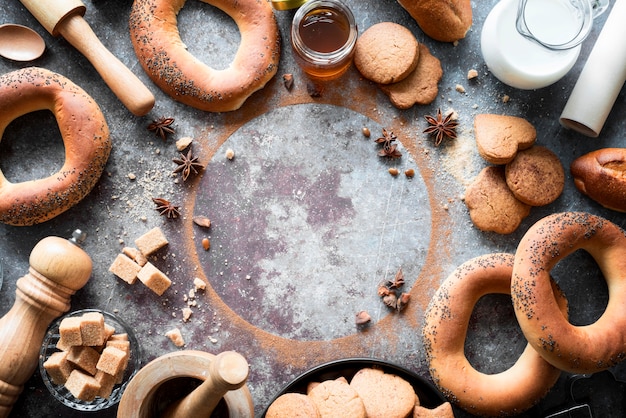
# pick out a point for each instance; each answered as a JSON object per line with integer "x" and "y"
{"x": 126, "y": 86}
{"x": 229, "y": 371}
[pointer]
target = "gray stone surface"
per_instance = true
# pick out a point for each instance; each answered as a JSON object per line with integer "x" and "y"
{"x": 306, "y": 219}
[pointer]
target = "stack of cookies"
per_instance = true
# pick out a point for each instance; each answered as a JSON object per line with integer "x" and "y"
{"x": 522, "y": 174}
{"x": 389, "y": 54}
{"x": 371, "y": 393}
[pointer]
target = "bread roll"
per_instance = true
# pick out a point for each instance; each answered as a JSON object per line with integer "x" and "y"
{"x": 442, "y": 20}
{"x": 601, "y": 175}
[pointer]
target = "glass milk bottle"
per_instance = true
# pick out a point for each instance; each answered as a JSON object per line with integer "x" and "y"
{"x": 530, "y": 44}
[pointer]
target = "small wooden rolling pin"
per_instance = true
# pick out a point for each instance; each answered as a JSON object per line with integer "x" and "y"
{"x": 58, "y": 268}
{"x": 65, "y": 18}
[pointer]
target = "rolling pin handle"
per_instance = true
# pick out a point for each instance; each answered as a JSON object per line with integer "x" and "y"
{"x": 123, "y": 82}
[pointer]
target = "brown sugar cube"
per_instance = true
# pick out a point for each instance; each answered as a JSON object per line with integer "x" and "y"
{"x": 151, "y": 241}
{"x": 69, "y": 330}
{"x": 176, "y": 337}
{"x": 119, "y": 378}
{"x": 92, "y": 329}
{"x": 58, "y": 367}
{"x": 125, "y": 268}
{"x": 112, "y": 360}
{"x": 84, "y": 357}
{"x": 154, "y": 278}
{"x": 62, "y": 345}
{"x": 107, "y": 383}
{"x": 82, "y": 386}
{"x": 117, "y": 337}
{"x": 136, "y": 255}
{"x": 123, "y": 345}
{"x": 109, "y": 331}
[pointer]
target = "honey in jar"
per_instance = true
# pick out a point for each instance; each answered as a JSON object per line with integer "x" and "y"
{"x": 323, "y": 36}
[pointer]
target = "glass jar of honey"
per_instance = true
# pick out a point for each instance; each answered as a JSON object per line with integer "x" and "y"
{"x": 323, "y": 37}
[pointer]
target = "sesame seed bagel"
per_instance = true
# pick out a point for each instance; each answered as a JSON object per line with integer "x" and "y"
{"x": 85, "y": 138}
{"x": 445, "y": 328}
{"x": 576, "y": 349}
{"x": 164, "y": 57}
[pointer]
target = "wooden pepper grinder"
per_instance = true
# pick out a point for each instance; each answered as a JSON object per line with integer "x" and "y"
{"x": 58, "y": 268}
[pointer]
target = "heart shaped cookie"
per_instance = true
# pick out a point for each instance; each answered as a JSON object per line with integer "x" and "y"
{"x": 499, "y": 137}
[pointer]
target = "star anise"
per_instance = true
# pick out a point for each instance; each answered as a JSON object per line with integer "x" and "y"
{"x": 187, "y": 164}
{"x": 387, "y": 139}
{"x": 389, "y": 149}
{"x": 162, "y": 127}
{"x": 166, "y": 208}
{"x": 398, "y": 280}
{"x": 441, "y": 127}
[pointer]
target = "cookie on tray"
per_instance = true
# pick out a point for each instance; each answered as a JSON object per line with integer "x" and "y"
{"x": 336, "y": 398}
{"x": 295, "y": 405}
{"x": 384, "y": 395}
{"x": 421, "y": 86}
{"x": 499, "y": 137}
{"x": 442, "y": 411}
{"x": 386, "y": 53}
{"x": 536, "y": 176}
{"x": 492, "y": 205}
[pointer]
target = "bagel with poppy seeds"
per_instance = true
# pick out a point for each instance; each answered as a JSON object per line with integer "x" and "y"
{"x": 445, "y": 328}
{"x": 575, "y": 349}
{"x": 85, "y": 137}
{"x": 163, "y": 55}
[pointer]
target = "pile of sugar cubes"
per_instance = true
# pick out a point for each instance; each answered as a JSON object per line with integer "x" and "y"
{"x": 133, "y": 264}
{"x": 92, "y": 357}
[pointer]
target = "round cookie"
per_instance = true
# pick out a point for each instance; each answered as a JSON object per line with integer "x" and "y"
{"x": 492, "y": 206}
{"x": 386, "y": 53}
{"x": 421, "y": 86}
{"x": 336, "y": 398}
{"x": 535, "y": 176}
{"x": 384, "y": 395}
{"x": 295, "y": 405}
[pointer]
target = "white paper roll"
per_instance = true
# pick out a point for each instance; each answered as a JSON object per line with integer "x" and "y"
{"x": 601, "y": 79}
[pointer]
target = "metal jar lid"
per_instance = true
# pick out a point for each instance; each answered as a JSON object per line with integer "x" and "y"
{"x": 287, "y": 4}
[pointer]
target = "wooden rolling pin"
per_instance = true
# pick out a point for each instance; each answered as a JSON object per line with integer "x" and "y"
{"x": 58, "y": 268}
{"x": 229, "y": 371}
{"x": 65, "y": 18}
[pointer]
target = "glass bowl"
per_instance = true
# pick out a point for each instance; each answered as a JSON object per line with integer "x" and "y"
{"x": 429, "y": 396}
{"x": 60, "y": 392}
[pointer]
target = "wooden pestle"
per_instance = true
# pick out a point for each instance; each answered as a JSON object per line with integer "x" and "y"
{"x": 65, "y": 18}
{"x": 228, "y": 371}
{"x": 58, "y": 268}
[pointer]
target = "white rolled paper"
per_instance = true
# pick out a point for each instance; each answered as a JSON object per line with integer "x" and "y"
{"x": 601, "y": 79}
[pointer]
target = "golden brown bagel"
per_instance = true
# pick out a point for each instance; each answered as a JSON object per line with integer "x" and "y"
{"x": 576, "y": 349}
{"x": 601, "y": 175}
{"x": 442, "y": 20}
{"x": 164, "y": 57}
{"x": 446, "y": 319}
{"x": 85, "y": 137}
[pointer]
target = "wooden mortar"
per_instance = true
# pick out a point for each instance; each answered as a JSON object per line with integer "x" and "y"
{"x": 189, "y": 383}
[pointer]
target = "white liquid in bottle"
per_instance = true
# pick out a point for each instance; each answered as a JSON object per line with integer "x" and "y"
{"x": 520, "y": 62}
